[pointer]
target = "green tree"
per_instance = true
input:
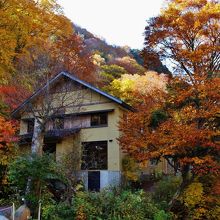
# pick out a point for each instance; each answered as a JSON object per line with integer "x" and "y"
{"x": 111, "y": 72}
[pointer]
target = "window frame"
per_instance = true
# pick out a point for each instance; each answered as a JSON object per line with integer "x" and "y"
{"x": 96, "y": 155}
{"x": 99, "y": 119}
{"x": 153, "y": 162}
{"x": 30, "y": 126}
{"x": 55, "y": 127}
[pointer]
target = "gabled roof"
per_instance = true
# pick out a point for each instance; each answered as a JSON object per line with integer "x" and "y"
{"x": 75, "y": 79}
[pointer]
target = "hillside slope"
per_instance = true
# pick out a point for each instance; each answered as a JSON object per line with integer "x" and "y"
{"x": 113, "y": 54}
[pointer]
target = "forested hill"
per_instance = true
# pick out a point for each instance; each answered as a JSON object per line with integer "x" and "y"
{"x": 42, "y": 42}
{"x": 94, "y": 43}
{"x": 110, "y": 53}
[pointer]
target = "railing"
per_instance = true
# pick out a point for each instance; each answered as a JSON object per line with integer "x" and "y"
{"x": 8, "y": 211}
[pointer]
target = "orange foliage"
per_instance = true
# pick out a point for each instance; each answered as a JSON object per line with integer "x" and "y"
{"x": 26, "y": 24}
{"x": 13, "y": 96}
{"x": 135, "y": 127}
{"x": 187, "y": 133}
{"x": 7, "y": 133}
{"x": 187, "y": 32}
{"x": 68, "y": 55}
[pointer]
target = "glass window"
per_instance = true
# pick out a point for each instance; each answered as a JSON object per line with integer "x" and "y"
{"x": 153, "y": 162}
{"x": 58, "y": 123}
{"x": 49, "y": 148}
{"x": 99, "y": 119}
{"x": 30, "y": 126}
{"x": 94, "y": 155}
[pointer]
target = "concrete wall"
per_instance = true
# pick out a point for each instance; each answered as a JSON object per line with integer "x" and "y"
{"x": 107, "y": 178}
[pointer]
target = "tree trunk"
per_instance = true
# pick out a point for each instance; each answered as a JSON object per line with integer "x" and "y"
{"x": 38, "y": 138}
{"x": 36, "y": 146}
{"x": 186, "y": 180}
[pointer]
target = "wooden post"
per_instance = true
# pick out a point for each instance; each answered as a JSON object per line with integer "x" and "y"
{"x": 39, "y": 211}
{"x": 13, "y": 211}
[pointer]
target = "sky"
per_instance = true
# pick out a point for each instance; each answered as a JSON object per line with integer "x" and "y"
{"x": 119, "y": 22}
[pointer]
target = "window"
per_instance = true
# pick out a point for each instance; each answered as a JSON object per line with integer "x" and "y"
{"x": 30, "y": 126}
{"x": 100, "y": 119}
{"x": 153, "y": 162}
{"x": 94, "y": 156}
{"x": 49, "y": 148}
{"x": 58, "y": 123}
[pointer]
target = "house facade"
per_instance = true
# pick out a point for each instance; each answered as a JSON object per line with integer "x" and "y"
{"x": 86, "y": 123}
{"x": 90, "y": 128}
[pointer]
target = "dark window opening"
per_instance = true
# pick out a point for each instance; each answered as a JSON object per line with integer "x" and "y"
{"x": 94, "y": 181}
{"x": 153, "y": 162}
{"x": 30, "y": 126}
{"x": 58, "y": 123}
{"x": 94, "y": 156}
{"x": 99, "y": 119}
{"x": 49, "y": 148}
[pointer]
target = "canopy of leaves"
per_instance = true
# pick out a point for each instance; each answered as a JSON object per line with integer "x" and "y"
{"x": 129, "y": 64}
{"x": 7, "y": 146}
{"x": 187, "y": 33}
{"x": 26, "y": 24}
{"x": 128, "y": 84}
{"x": 111, "y": 72}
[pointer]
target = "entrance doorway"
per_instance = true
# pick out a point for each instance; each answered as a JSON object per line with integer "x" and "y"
{"x": 94, "y": 181}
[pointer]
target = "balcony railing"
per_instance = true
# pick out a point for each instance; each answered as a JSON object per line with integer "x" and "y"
{"x": 54, "y": 135}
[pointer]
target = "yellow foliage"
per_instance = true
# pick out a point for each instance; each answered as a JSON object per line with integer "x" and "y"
{"x": 130, "y": 168}
{"x": 25, "y": 25}
{"x": 128, "y": 84}
{"x": 193, "y": 195}
{"x": 80, "y": 215}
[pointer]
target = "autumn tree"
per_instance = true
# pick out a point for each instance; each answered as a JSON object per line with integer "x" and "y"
{"x": 26, "y": 25}
{"x": 184, "y": 128}
{"x": 128, "y": 84}
{"x": 110, "y": 72}
{"x": 129, "y": 64}
{"x": 187, "y": 33}
{"x": 7, "y": 147}
{"x": 40, "y": 42}
{"x": 69, "y": 55}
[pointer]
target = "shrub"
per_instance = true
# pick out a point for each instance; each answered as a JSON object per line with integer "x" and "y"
{"x": 31, "y": 166}
{"x": 130, "y": 169}
{"x": 38, "y": 169}
{"x": 200, "y": 202}
{"x": 165, "y": 190}
{"x": 113, "y": 204}
{"x": 162, "y": 215}
{"x": 59, "y": 211}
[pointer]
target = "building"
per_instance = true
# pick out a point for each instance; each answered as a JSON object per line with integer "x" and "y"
{"x": 89, "y": 127}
